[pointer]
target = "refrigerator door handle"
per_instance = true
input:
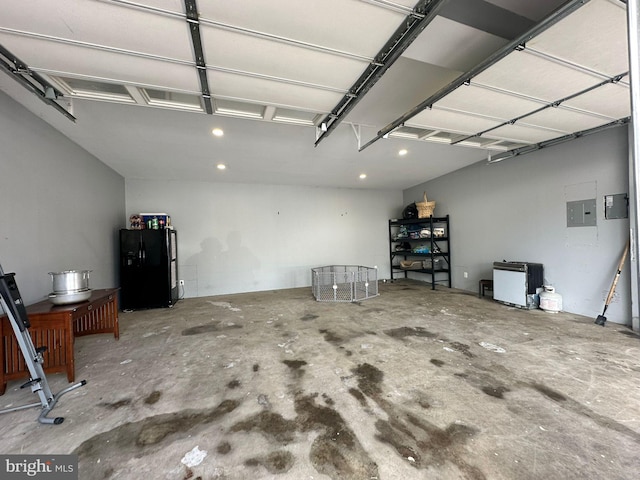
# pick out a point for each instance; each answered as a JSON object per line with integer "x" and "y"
{"x": 141, "y": 253}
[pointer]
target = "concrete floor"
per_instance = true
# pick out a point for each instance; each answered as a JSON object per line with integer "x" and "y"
{"x": 413, "y": 384}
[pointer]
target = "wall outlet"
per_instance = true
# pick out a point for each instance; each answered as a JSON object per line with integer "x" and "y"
{"x": 182, "y": 283}
{"x": 466, "y": 275}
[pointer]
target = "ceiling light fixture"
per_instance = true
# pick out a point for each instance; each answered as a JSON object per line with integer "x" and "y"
{"x": 403, "y": 152}
{"x": 221, "y": 166}
{"x": 217, "y": 132}
{"x": 363, "y": 176}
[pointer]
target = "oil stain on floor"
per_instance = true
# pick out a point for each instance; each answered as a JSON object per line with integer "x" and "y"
{"x": 125, "y": 402}
{"x": 495, "y": 391}
{"x": 335, "y": 450}
{"x": 421, "y": 443}
{"x": 153, "y": 397}
{"x": 142, "y": 437}
{"x": 403, "y": 332}
{"x": 275, "y": 462}
{"x": 208, "y": 328}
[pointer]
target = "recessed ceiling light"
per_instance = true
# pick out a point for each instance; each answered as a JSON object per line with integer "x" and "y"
{"x": 217, "y": 132}
{"x": 221, "y": 166}
{"x": 403, "y": 152}
{"x": 363, "y": 176}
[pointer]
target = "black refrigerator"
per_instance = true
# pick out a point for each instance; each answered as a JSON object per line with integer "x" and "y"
{"x": 148, "y": 268}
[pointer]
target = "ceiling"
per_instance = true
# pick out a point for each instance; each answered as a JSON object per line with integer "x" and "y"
{"x": 139, "y": 78}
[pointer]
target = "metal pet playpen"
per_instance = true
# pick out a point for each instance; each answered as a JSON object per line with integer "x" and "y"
{"x": 344, "y": 283}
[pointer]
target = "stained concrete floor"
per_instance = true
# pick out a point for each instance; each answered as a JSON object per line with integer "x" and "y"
{"x": 413, "y": 384}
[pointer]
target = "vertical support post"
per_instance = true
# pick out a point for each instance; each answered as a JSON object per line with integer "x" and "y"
{"x": 447, "y": 258}
{"x": 353, "y": 286}
{"x": 633, "y": 24}
{"x": 390, "y": 254}
{"x": 431, "y": 257}
{"x": 366, "y": 284}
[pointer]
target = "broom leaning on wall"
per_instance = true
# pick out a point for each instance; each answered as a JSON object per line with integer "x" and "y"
{"x": 601, "y": 318}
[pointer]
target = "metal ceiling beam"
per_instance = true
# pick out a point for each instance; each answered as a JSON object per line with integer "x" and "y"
{"x": 555, "y": 104}
{"x": 555, "y": 141}
{"x": 421, "y": 15}
{"x": 255, "y": 33}
{"x": 193, "y": 21}
{"x": 32, "y": 81}
{"x": 557, "y": 15}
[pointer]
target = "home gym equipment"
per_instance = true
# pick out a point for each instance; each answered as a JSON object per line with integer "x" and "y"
{"x": 13, "y": 306}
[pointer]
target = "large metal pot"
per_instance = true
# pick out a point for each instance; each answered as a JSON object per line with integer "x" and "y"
{"x": 70, "y": 281}
{"x": 67, "y": 298}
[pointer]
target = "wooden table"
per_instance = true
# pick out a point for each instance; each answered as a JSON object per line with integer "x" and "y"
{"x": 55, "y": 327}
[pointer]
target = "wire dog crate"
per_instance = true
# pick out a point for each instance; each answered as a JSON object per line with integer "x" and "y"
{"x": 344, "y": 283}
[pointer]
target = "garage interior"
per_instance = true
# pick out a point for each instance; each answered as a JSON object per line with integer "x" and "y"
{"x": 506, "y": 112}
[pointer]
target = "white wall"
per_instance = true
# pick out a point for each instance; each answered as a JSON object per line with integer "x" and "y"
{"x": 516, "y": 210}
{"x": 60, "y": 207}
{"x": 240, "y": 238}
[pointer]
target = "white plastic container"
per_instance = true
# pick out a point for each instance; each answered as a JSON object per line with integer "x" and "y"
{"x": 550, "y": 301}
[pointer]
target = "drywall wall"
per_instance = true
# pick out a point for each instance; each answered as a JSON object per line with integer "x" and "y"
{"x": 515, "y": 210}
{"x": 241, "y": 238}
{"x": 60, "y": 207}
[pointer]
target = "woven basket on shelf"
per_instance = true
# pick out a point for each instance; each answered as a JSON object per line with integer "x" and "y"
{"x": 410, "y": 264}
{"x": 425, "y": 209}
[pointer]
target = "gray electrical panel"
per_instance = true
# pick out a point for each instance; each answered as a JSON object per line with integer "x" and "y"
{"x": 581, "y": 213}
{"x": 616, "y": 206}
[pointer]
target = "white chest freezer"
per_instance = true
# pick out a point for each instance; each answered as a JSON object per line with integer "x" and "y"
{"x": 515, "y": 283}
